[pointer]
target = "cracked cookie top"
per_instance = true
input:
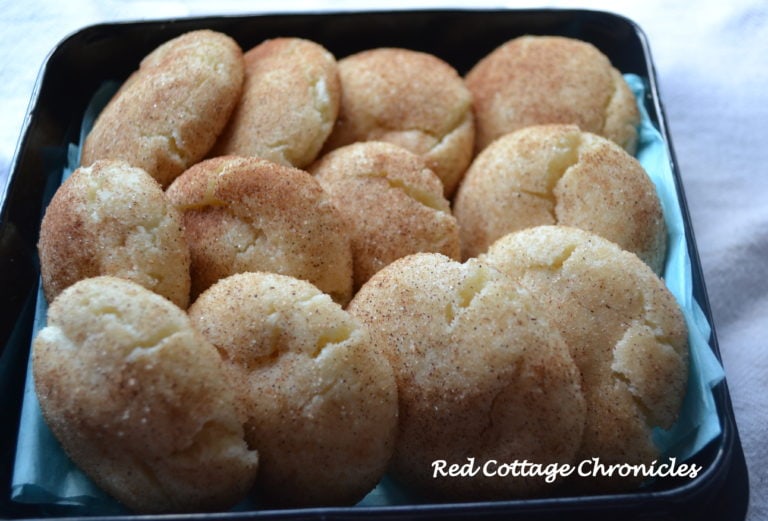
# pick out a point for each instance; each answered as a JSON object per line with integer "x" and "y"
{"x": 320, "y": 405}
{"x": 480, "y": 372}
{"x": 139, "y": 399}
{"x": 393, "y": 202}
{"x": 558, "y": 174}
{"x": 249, "y": 214}
{"x": 113, "y": 219}
{"x": 624, "y": 329}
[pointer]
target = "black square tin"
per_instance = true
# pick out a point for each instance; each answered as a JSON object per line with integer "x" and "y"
{"x": 78, "y": 66}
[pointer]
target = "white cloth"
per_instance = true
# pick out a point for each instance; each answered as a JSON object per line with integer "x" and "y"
{"x": 711, "y": 59}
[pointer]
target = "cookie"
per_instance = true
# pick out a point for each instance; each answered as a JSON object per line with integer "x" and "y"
{"x": 320, "y": 404}
{"x": 558, "y": 174}
{"x": 289, "y": 103}
{"x": 625, "y": 331}
{"x": 534, "y": 80}
{"x": 113, "y": 219}
{"x": 139, "y": 400}
{"x": 480, "y": 373}
{"x": 392, "y": 201}
{"x": 249, "y": 214}
{"x": 168, "y": 114}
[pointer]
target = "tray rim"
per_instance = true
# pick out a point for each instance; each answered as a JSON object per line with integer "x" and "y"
{"x": 727, "y": 441}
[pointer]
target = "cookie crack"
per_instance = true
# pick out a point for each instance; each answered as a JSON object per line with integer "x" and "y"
{"x": 496, "y": 404}
{"x": 422, "y": 197}
{"x": 333, "y": 334}
{"x": 558, "y": 168}
{"x": 558, "y": 262}
{"x": 257, "y": 235}
{"x": 643, "y": 409}
{"x": 659, "y": 335}
{"x": 152, "y": 342}
{"x": 211, "y": 437}
{"x": 547, "y": 197}
{"x": 455, "y": 127}
{"x": 321, "y": 101}
{"x": 210, "y": 196}
{"x": 645, "y": 405}
{"x": 468, "y": 290}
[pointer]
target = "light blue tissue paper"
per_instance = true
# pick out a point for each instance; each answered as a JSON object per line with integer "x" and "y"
{"x": 698, "y": 423}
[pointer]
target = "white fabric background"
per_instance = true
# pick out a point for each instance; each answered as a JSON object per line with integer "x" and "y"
{"x": 712, "y": 61}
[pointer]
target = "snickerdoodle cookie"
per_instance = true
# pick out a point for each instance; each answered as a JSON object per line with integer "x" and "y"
{"x": 113, "y": 219}
{"x": 533, "y": 80}
{"x": 394, "y": 204}
{"x": 289, "y": 103}
{"x": 558, "y": 174}
{"x": 249, "y": 214}
{"x": 625, "y": 331}
{"x": 168, "y": 114}
{"x": 140, "y": 401}
{"x": 480, "y": 372}
{"x": 320, "y": 404}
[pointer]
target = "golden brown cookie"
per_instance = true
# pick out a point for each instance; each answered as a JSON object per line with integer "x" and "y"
{"x": 411, "y": 99}
{"x": 139, "y": 400}
{"x": 625, "y": 331}
{"x": 320, "y": 404}
{"x": 482, "y": 376}
{"x": 533, "y": 80}
{"x": 249, "y": 214}
{"x": 289, "y": 104}
{"x": 113, "y": 219}
{"x": 168, "y": 114}
{"x": 392, "y": 201}
{"x": 557, "y": 174}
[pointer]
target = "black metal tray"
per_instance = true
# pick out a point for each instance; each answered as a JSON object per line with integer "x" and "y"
{"x": 76, "y": 68}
